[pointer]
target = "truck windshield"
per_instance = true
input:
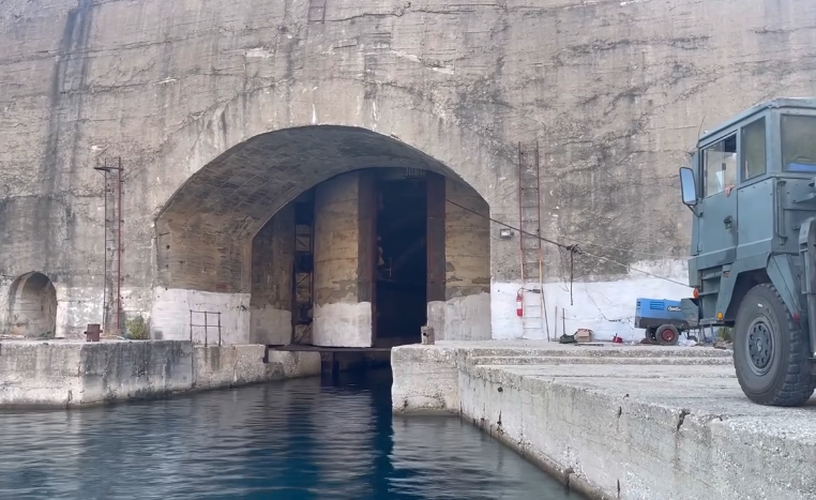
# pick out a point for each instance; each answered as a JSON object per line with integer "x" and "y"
{"x": 799, "y": 143}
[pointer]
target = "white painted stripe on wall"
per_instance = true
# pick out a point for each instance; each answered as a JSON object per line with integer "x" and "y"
{"x": 606, "y": 307}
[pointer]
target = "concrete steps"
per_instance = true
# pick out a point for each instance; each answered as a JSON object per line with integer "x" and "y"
{"x": 601, "y": 360}
{"x": 578, "y": 351}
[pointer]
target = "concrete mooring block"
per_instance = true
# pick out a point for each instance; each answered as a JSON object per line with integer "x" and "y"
{"x": 428, "y": 337}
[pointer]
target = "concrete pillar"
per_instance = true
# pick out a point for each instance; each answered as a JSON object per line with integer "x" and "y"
{"x": 466, "y": 311}
{"x": 271, "y": 300}
{"x": 436, "y": 312}
{"x": 343, "y": 270}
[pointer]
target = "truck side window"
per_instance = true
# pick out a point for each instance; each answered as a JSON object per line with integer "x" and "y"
{"x": 753, "y": 150}
{"x": 799, "y": 143}
{"x": 720, "y": 165}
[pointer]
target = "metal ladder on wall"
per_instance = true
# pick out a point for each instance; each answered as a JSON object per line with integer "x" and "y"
{"x": 303, "y": 276}
{"x": 534, "y": 314}
{"x": 112, "y": 295}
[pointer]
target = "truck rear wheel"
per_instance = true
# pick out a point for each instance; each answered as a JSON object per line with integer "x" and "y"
{"x": 770, "y": 352}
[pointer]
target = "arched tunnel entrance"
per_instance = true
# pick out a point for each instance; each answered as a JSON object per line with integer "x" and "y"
{"x": 326, "y": 235}
{"x": 32, "y": 307}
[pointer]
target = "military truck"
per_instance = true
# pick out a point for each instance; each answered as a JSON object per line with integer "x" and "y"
{"x": 752, "y": 189}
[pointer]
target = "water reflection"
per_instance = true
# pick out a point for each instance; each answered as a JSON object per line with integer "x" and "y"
{"x": 291, "y": 440}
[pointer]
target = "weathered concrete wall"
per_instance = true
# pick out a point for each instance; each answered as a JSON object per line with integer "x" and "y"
{"x": 171, "y": 318}
{"x": 672, "y": 421}
{"x": 606, "y": 306}
{"x": 467, "y": 264}
{"x": 40, "y": 375}
{"x": 464, "y": 314}
{"x": 126, "y": 370}
{"x": 75, "y": 374}
{"x": 614, "y": 92}
{"x": 67, "y": 374}
{"x": 236, "y": 365}
{"x": 271, "y": 297}
{"x": 425, "y": 380}
{"x": 342, "y": 302}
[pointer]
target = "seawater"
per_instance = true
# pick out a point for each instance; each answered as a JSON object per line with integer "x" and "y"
{"x": 299, "y": 439}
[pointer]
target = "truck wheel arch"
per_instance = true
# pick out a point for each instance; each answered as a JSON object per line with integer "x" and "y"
{"x": 745, "y": 282}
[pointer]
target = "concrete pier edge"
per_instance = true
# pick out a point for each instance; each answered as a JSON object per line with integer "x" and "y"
{"x": 40, "y": 375}
{"x": 564, "y": 475}
{"x": 620, "y": 428}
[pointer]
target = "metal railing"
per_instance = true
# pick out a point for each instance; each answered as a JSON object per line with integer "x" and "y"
{"x": 211, "y": 319}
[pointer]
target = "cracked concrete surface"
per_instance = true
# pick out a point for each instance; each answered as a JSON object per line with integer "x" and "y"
{"x": 66, "y": 374}
{"x": 615, "y": 93}
{"x": 677, "y": 427}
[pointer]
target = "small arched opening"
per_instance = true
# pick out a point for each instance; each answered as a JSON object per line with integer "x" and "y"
{"x": 32, "y": 307}
{"x": 324, "y": 235}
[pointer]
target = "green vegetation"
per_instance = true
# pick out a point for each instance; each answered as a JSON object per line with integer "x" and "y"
{"x": 136, "y": 329}
{"x": 726, "y": 333}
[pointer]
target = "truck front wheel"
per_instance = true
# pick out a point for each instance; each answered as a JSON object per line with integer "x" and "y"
{"x": 770, "y": 351}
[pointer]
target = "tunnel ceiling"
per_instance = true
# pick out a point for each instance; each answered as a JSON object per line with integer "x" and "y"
{"x": 251, "y": 181}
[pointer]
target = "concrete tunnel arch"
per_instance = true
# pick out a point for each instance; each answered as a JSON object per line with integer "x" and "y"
{"x": 32, "y": 306}
{"x": 207, "y": 239}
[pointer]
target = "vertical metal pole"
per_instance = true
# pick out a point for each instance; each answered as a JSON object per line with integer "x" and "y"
{"x": 563, "y": 320}
{"x": 191, "y": 326}
{"x": 105, "y": 229}
{"x": 119, "y": 253}
{"x": 205, "y": 328}
{"x": 521, "y": 218}
{"x": 219, "y": 328}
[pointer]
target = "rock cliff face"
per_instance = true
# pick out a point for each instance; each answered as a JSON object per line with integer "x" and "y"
{"x": 614, "y": 92}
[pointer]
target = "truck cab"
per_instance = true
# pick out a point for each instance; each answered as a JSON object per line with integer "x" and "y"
{"x": 750, "y": 187}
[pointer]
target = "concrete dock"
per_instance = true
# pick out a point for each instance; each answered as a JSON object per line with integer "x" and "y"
{"x": 618, "y": 422}
{"x": 66, "y": 374}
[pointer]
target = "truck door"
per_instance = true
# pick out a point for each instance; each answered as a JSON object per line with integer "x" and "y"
{"x": 717, "y": 243}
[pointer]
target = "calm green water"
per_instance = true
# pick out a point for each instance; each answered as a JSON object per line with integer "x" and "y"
{"x": 298, "y": 440}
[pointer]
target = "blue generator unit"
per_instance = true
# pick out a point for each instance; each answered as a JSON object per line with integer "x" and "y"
{"x": 662, "y": 319}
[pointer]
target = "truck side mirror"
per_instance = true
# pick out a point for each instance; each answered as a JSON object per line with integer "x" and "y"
{"x": 688, "y": 187}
